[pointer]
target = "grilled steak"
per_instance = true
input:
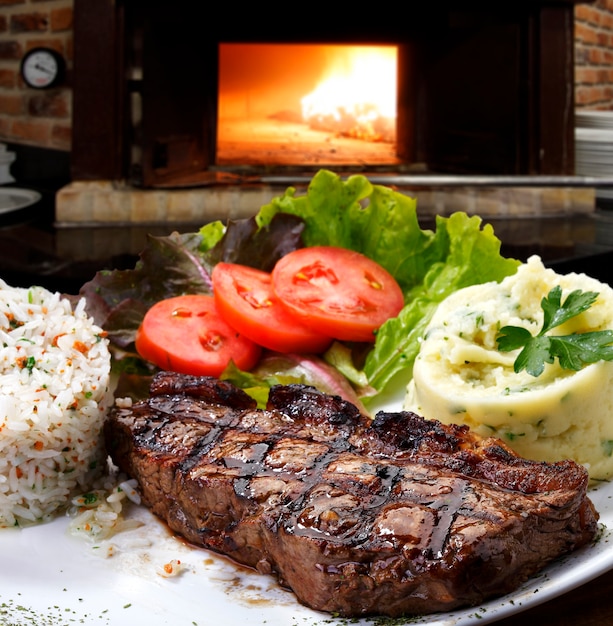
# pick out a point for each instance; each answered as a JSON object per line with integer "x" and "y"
{"x": 398, "y": 515}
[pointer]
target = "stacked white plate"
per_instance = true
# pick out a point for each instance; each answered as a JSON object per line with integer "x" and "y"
{"x": 6, "y": 158}
{"x": 13, "y": 199}
{"x": 594, "y": 147}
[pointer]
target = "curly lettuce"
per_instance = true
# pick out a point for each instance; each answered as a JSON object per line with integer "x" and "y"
{"x": 353, "y": 213}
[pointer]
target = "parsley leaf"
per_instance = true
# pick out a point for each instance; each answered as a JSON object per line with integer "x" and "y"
{"x": 575, "y": 351}
{"x": 572, "y": 351}
{"x": 556, "y": 314}
{"x": 532, "y": 358}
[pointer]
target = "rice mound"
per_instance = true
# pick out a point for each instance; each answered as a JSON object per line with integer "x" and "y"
{"x": 54, "y": 376}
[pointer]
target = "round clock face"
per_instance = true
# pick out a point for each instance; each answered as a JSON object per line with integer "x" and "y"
{"x": 41, "y": 68}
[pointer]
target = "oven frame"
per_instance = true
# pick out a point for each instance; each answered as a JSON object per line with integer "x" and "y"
{"x": 536, "y": 134}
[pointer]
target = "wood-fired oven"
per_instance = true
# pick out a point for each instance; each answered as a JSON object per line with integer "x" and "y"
{"x": 188, "y": 96}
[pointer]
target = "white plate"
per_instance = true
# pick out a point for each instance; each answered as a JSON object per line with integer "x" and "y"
{"x": 594, "y": 135}
{"x": 50, "y": 577}
{"x": 594, "y": 119}
{"x": 14, "y": 198}
{"x": 606, "y": 194}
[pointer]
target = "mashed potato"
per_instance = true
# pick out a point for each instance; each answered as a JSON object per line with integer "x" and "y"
{"x": 461, "y": 377}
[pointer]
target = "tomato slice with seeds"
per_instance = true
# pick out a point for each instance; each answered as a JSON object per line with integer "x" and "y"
{"x": 186, "y": 334}
{"x": 244, "y": 298}
{"x": 338, "y": 292}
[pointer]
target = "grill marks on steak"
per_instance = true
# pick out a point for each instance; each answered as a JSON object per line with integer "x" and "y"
{"x": 395, "y": 516}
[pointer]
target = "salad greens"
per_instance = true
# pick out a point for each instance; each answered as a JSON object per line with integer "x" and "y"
{"x": 572, "y": 351}
{"x": 372, "y": 219}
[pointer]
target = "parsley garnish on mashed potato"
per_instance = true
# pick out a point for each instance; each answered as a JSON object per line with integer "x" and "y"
{"x": 574, "y": 350}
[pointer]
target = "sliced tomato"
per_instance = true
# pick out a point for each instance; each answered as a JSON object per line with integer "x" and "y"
{"x": 244, "y": 298}
{"x": 336, "y": 291}
{"x": 186, "y": 334}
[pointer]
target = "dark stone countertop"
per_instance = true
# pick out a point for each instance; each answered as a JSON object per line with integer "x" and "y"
{"x": 33, "y": 250}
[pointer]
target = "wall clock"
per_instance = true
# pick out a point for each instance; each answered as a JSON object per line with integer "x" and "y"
{"x": 42, "y": 68}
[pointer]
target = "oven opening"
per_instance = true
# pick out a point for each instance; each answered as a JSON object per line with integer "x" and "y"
{"x": 307, "y": 104}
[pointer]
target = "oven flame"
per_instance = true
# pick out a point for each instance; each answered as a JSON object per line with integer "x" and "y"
{"x": 357, "y": 95}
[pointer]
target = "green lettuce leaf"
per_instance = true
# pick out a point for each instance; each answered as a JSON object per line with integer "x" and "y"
{"x": 467, "y": 255}
{"x": 355, "y": 214}
{"x": 328, "y": 209}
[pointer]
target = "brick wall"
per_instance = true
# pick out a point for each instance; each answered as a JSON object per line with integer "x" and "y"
{"x": 594, "y": 55}
{"x": 42, "y": 118}
{"x": 28, "y": 116}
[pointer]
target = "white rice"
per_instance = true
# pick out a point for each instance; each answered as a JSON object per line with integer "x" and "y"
{"x": 54, "y": 378}
{"x": 100, "y": 513}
